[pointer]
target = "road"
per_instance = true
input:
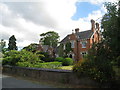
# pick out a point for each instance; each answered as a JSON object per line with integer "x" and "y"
{"x": 13, "y": 82}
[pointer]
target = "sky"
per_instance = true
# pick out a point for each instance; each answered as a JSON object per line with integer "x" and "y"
{"x": 27, "y": 19}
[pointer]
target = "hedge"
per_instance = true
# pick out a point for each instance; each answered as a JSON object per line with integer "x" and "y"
{"x": 48, "y": 65}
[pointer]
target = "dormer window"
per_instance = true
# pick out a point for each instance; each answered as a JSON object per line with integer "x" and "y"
{"x": 84, "y": 44}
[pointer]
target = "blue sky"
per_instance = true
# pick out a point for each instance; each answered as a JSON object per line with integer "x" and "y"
{"x": 83, "y": 9}
{"x": 27, "y": 19}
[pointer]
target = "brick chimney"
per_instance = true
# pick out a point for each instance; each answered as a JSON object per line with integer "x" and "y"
{"x": 92, "y": 25}
{"x": 97, "y": 26}
{"x": 76, "y": 30}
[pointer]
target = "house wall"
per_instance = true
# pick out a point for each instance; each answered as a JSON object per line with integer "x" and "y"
{"x": 77, "y": 43}
{"x": 78, "y": 46}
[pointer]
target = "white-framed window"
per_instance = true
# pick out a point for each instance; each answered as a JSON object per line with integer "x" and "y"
{"x": 84, "y": 44}
{"x": 64, "y": 47}
{"x": 83, "y": 54}
{"x": 72, "y": 44}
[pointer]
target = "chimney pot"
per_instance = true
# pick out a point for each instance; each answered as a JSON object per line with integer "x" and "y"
{"x": 76, "y": 30}
{"x": 92, "y": 25}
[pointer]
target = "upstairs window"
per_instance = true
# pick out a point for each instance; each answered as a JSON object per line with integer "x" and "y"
{"x": 64, "y": 47}
{"x": 72, "y": 44}
{"x": 84, "y": 44}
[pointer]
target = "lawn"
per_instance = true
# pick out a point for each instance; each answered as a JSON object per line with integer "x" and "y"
{"x": 66, "y": 67}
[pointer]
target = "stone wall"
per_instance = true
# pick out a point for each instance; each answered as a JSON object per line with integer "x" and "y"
{"x": 54, "y": 75}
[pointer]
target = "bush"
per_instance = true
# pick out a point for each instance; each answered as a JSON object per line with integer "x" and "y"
{"x": 11, "y": 57}
{"x": 24, "y": 64}
{"x": 14, "y": 57}
{"x": 102, "y": 74}
{"x": 46, "y": 57}
{"x": 48, "y": 65}
{"x": 59, "y": 59}
{"x": 67, "y": 62}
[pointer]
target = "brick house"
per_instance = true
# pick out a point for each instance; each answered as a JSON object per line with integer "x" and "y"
{"x": 46, "y": 48}
{"x": 81, "y": 42}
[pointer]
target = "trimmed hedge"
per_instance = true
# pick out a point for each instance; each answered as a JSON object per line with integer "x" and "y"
{"x": 59, "y": 59}
{"x": 67, "y": 62}
{"x": 48, "y": 65}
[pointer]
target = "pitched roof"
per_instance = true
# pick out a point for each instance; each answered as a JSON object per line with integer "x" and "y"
{"x": 81, "y": 35}
{"x": 65, "y": 39}
{"x": 85, "y": 34}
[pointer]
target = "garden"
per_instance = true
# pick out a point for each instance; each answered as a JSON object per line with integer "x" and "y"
{"x": 39, "y": 59}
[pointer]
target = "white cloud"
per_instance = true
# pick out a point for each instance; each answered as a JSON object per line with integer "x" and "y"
{"x": 26, "y": 20}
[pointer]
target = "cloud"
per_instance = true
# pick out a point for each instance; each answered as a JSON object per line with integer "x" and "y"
{"x": 31, "y": 11}
{"x": 26, "y": 20}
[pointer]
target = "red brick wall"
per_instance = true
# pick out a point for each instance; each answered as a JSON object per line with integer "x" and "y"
{"x": 78, "y": 46}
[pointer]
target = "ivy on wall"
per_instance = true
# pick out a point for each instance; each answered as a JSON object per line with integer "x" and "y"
{"x": 62, "y": 52}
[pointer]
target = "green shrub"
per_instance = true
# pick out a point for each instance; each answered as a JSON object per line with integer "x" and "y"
{"x": 103, "y": 73}
{"x": 48, "y": 65}
{"x": 13, "y": 57}
{"x": 24, "y": 64}
{"x": 46, "y": 57}
{"x": 67, "y": 62}
{"x": 59, "y": 59}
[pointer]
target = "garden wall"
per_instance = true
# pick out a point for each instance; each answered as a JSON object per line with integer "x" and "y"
{"x": 54, "y": 75}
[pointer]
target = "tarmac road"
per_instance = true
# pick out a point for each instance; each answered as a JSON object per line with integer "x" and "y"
{"x": 13, "y": 82}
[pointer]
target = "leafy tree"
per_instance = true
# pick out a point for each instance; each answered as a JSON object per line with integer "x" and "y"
{"x": 98, "y": 64}
{"x": 2, "y": 45}
{"x": 111, "y": 26}
{"x": 12, "y": 43}
{"x": 50, "y": 38}
{"x": 32, "y": 47}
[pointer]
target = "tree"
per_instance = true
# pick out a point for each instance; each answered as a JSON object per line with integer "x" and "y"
{"x": 32, "y": 47}
{"x": 12, "y": 43}
{"x": 50, "y": 38}
{"x": 111, "y": 26}
{"x": 99, "y": 62}
{"x": 2, "y": 45}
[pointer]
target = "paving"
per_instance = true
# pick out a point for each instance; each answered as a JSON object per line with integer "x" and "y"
{"x": 13, "y": 82}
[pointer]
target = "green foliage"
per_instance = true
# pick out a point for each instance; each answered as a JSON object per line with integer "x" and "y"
{"x": 46, "y": 57}
{"x": 59, "y": 59}
{"x": 14, "y": 58}
{"x": 88, "y": 68}
{"x": 50, "y": 38}
{"x": 11, "y": 57}
{"x": 67, "y": 62}
{"x": 12, "y": 43}
{"x": 98, "y": 65}
{"x": 111, "y": 26}
{"x": 68, "y": 47}
{"x": 118, "y": 61}
{"x": 32, "y": 47}
{"x": 64, "y": 53}
{"x": 60, "y": 50}
{"x": 24, "y": 64}
{"x": 2, "y": 45}
{"x": 48, "y": 65}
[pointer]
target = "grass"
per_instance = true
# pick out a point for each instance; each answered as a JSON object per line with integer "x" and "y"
{"x": 66, "y": 67}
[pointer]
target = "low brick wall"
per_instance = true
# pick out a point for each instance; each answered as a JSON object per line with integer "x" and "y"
{"x": 54, "y": 75}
